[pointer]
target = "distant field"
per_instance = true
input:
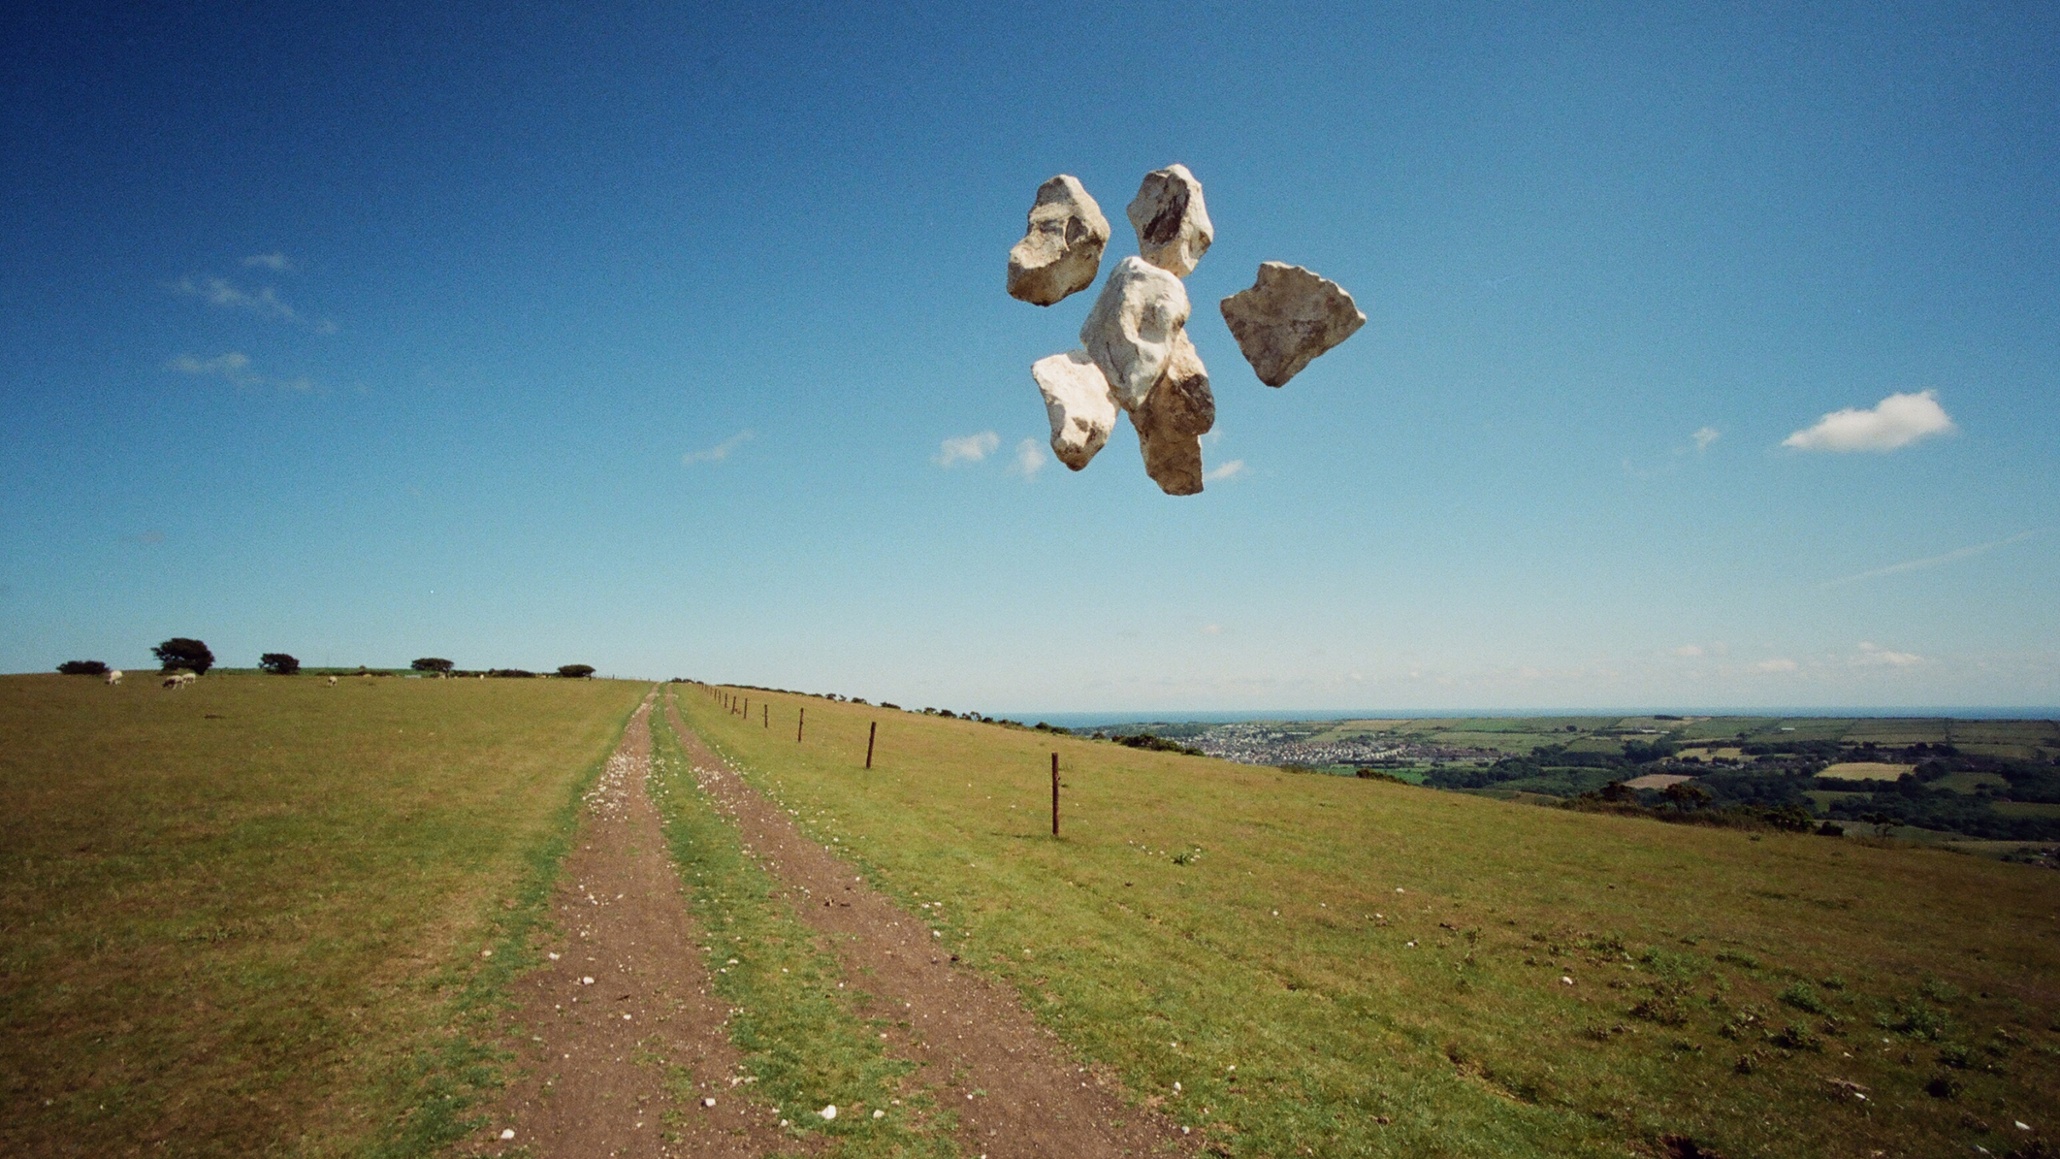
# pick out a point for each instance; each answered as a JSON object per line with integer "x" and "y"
{"x": 1865, "y": 771}
{"x": 246, "y": 917}
{"x": 1387, "y": 968}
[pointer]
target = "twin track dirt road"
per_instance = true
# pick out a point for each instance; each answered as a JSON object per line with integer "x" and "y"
{"x": 625, "y": 1042}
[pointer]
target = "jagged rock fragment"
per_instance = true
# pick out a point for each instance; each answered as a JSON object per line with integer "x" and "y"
{"x": 1061, "y": 250}
{"x": 1130, "y": 332}
{"x": 1079, "y": 404}
{"x": 1178, "y": 411}
{"x": 1287, "y": 318}
{"x": 1172, "y": 223}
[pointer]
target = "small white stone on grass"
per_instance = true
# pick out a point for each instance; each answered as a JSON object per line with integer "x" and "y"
{"x": 708, "y": 1102}
{"x": 588, "y": 980}
{"x": 829, "y": 1112}
{"x": 879, "y": 1114}
{"x": 507, "y": 1133}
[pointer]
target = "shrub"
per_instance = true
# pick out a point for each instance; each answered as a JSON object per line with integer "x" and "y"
{"x": 83, "y": 668}
{"x": 278, "y": 664}
{"x": 180, "y": 652}
{"x": 575, "y": 671}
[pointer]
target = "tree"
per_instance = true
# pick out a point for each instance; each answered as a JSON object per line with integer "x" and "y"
{"x": 180, "y": 652}
{"x": 279, "y": 664}
{"x": 432, "y": 664}
{"x": 575, "y": 671}
{"x": 83, "y": 668}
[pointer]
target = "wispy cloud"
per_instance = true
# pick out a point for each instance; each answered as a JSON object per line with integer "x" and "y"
{"x": 1226, "y": 472}
{"x": 966, "y": 448}
{"x": 1776, "y": 665}
{"x": 234, "y": 368}
{"x": 1704, "y": 436}
{"x": 274, "y": 261}
{"x": 1688, "y": 651}
{"x": 231, "y": 365}
{"x": 719, "y": 451}
{"x": 1895, "y": 421}
{"x": 1212, "y": 629}
{"x": 1030, "y": 459}
{"x": 1875, "y": 657}
{"x": 1957, "y": 553}
{"x": 264, "y": 301}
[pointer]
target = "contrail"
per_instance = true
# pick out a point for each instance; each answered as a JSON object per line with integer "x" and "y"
{"x": 1928, "y": 561}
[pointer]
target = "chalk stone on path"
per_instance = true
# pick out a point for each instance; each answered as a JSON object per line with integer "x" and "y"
{"x": 1061, "y": 250}
{"x": 1079, "y": 404}
{"x": 1131, "y": 329}
{"x": 1287, "y": 318}
{"x": 1172, "y": 223}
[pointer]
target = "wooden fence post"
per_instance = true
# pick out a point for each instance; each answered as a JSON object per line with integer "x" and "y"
{"x": 871, "y": 732}
{"x": 1055, "y": 794}
{"x": 765, "y": 716}
{"x": 799, "y": 725}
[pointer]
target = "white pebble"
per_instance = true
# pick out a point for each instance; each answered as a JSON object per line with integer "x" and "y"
{"x": 1566, "y": 980}
{"x": 507, "y": 1133}
{"x": 879, "y": 1114}
{"x": 587, "y": 981}
{"x": 829, "y": 1112}
{"x": 708, "y": 1102}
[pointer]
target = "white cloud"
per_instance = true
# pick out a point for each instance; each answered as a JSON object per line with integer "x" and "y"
{"x": 1030, "y": 459}
{"x": 1929, "y": 560}
{"x": 231, "y": 366}
{"x": 719, "y": 451}
{"x": 1873, "y": 657}
{"x": 1688, "y": 650}
{"x": 234, "y": 367}
{"x": 1226, "y": 472}
{"x": 1777, "y": 665}
{"x": 264, "y": 301}
{"x": 966, "y": 448}
{"x": 1896, "y": 421}
{"x": 1212, "y": 629}
{"x": 274, "y": 261}
{"x": 1704, "y": 437}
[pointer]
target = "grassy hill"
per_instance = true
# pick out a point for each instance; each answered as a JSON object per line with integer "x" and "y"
{"x": 247, "y": 917}
{"x": 1331, "y": 966}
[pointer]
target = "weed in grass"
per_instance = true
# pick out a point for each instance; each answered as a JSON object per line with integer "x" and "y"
{"x": 1803, "y": 996}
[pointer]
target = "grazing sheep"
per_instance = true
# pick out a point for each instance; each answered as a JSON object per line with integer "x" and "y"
{"x": 178, "y": 679}
{"x": 114, "y": 676}
{"x": 332, "y": 682}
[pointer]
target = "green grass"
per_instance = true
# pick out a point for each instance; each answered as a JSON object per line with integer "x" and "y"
{"x": 799, "y": 1026}
{"x": 247, "y": 917}
{"x": 1198, "y": 915}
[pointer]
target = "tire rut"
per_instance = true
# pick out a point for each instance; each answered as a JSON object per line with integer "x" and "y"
{"x": 1009, "y": 1079}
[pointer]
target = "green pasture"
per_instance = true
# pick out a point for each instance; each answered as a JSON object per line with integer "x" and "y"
{"x": 1337, "y": 966}
{"x": 247, "y": 917}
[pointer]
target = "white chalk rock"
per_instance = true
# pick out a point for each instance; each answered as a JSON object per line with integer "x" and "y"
{"x": 1178, "y": 411}
{"x": 1287, "y": 318}
{"x": 1172, "y": 223}
{"x": 1079, "y": 404}
{"x": 1130, "y": 331}
{"x": 1061, "y": 250}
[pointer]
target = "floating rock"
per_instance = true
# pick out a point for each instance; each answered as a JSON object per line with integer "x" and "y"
{"x": 1131, "y": 329}
{"x": 1178, "y": 411}
{"x": 1078, "y": 402}
{"x": 1287, "y": 318}
{"x": 1172, "y": 224}
{"x": 1062, "y": 250}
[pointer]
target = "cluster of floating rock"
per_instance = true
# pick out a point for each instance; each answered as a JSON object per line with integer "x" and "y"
{"x": 1135, "y": 354}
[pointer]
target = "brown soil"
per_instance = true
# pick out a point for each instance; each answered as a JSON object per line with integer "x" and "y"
{"x": 1016, "y": 1091}
{"x": 624, "y": 1038}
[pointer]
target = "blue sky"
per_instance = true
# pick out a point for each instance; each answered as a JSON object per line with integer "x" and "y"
{"x": 636, "y": 338}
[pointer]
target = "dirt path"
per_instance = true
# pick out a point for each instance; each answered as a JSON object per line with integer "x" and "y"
{"x": 1008, "y": 1077}
{"x": 627, "y": 1039}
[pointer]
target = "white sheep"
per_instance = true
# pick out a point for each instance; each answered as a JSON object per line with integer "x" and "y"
{"x": 332, "y": 682}
{"x": 114, "y": 676}
{"x": 178, "y": 679}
